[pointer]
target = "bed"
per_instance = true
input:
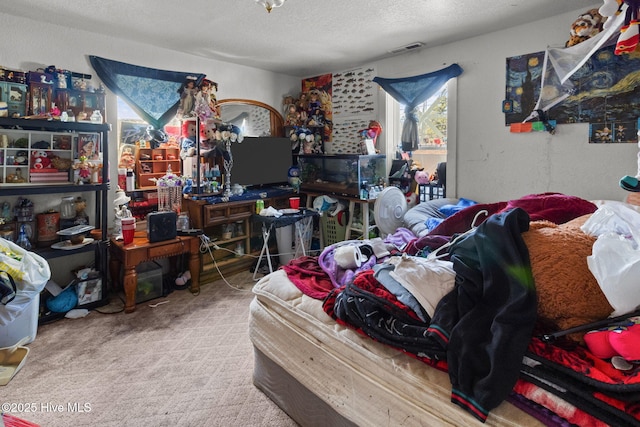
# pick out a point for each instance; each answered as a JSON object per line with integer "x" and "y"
{"x": 323, "y": 371}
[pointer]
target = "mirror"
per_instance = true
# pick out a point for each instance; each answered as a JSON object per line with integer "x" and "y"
{"x": 253, "y": 117}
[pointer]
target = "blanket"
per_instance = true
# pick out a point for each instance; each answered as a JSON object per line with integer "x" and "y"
{"x": 555, "y": 207}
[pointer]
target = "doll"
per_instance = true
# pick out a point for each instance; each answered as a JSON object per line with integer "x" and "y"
{"x": 187, "y": 98}
{"x": 293, "y": 117}
{"x": 127, "y": 158}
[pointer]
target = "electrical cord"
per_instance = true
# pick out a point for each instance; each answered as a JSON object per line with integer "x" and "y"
{"x": 205, "y": 247}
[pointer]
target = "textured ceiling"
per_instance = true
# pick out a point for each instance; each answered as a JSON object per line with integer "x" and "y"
{"x": 303, "y": 37}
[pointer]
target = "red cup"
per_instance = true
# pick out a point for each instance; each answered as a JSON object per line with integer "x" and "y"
{"x": 128, "y": 229}
{"x": 294, "y": 202}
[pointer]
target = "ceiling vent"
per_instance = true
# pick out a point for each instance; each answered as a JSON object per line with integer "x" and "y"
{"x": 412, "y": 46}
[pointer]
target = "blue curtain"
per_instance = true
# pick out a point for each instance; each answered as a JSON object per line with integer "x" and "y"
{"x": 153, "y": 94}
{"x": 413, "y": 91}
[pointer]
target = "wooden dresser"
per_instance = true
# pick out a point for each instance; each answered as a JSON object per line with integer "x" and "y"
{"x": 231, "y": 231}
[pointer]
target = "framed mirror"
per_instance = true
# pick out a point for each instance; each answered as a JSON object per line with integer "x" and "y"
{"x": 253, "y": 117}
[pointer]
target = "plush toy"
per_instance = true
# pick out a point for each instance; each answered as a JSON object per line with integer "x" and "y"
{"x": 40, "y": 160}
{"x": 421, "y": 177}
{"x": 188, "y": 144}
{"x": 619, "y": 340}
{"x": 586, "y": 26}
{"x": 568, "y": 293}
{"x": 630, "y": 32}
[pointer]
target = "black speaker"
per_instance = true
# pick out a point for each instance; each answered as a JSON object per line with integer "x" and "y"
{"x": 161, "y": 226}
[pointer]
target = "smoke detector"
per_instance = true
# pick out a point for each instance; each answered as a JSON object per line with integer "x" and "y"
{"x": 411, "y": 46}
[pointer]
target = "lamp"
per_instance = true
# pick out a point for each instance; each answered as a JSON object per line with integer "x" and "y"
{"x": 270, "y": 4}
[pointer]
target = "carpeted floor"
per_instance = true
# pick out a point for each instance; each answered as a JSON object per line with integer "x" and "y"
{"x": 187, "y": 362}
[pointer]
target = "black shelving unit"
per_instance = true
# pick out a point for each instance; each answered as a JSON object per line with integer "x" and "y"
{"x": 100, "y": 191}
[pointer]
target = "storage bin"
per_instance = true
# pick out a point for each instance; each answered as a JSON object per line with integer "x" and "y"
{"x": 23, "y": 325}
{"x": 332, "y": 230}
{"x": 149, "y": 284}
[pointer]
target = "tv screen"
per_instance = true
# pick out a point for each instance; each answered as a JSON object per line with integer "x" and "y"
{"x": 261, "y": 161}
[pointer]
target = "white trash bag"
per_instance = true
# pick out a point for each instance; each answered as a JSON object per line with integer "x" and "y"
{"x": 616, "y": 266}
{"x": 615, "y": 217}
{"x": 30, "y": 273}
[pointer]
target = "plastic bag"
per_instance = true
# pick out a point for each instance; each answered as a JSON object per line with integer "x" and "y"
{"x": 616, "y": 266}
{"x": 29, "y": 271}
{"x": 615, "y": 217}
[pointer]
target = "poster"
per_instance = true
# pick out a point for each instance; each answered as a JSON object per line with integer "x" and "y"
{"x": 606, "y": 94}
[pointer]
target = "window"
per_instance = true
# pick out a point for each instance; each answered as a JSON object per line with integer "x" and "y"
{"x": 433, "y": 128}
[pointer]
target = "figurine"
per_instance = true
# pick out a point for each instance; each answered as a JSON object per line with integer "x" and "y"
{"x": 84, "y": 171}
{"x": 187, "y": 98}
{"x": 6, "y": 211}
{"x": 121, "y": 211}
{"x": 81, "y": 217}
{"x": 313, "y": 106}
{"x": 293, "y": 116}
{"x": 127, "y": 158}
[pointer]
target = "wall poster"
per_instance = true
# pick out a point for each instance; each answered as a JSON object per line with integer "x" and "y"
{"x": 355, "y": 104}
{"x": 606, "y": 94}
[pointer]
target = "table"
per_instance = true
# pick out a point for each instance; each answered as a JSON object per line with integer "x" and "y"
{"x": 141, "y": 250}
{"x": 270, "y": 223}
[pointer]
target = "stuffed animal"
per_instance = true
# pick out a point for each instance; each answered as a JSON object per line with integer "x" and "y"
{"x": 188, "y": 144}
{"x": 586, "y": 26}
{"x": 568, "y": 293}
{"x": 40, "y": 160}
{"x": 421, "y": 177}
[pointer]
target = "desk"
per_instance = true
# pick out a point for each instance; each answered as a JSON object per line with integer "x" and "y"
{"x": 129, "y": 256}
{"x": 269, "y": 223}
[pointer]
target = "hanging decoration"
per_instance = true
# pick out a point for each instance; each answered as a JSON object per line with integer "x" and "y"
{"x": 134, "y": 83}
{"x": 270, "y": 4}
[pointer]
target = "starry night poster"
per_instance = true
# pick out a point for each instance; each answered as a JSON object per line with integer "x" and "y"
{"x": 605, "y": 94}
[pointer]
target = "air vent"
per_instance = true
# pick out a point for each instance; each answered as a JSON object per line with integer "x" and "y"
{"x": 408, "y": 47}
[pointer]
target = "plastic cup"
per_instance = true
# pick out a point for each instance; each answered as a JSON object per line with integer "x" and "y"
{"x": 128, "y": 230}
{"x": 294, "y": 202}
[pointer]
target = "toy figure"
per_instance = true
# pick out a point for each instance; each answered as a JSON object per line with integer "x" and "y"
{"x": 314, "y": 109}
{"x": 316, "y": 118}
{"x": 302, "y": 105}
{"x": 293, "y": 116}
{"x": 209, "y": 89}
{"x": 127, "y": 158}
{"x": 203, "y": 102}
{"x": 84, "y": 171}
{"x": 187, "y": 99}
{"x": 121, "y": 211}
{"x": 6, "y": 212}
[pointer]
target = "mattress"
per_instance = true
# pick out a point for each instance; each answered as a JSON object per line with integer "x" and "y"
{"x": 358, "y": 379}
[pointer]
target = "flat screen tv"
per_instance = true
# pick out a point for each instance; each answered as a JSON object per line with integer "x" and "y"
{"x": 261, "y": 161}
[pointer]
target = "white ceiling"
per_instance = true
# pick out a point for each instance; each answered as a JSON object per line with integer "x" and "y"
{"x": 303, "y": 37}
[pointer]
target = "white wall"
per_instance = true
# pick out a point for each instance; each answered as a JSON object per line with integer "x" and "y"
{"x": 485, "y": 162}
{"x": 488, "y": 163}
{"x": 28, "y": 45}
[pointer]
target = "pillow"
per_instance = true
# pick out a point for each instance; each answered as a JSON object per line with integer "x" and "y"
{"x": 416, "y": 217}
